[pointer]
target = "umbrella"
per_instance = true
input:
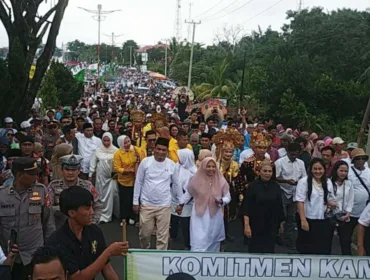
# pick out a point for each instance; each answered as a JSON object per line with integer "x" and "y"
{"x": 157, "y": 76}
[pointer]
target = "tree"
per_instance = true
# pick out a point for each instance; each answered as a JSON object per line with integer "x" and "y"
{"x": 126, "y": 51}
{"x": 25, "y": 30}
{"x": 69, "y": 90}
{"x": 48, "y": 91}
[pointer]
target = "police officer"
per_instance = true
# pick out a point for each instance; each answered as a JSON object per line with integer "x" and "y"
{"x": 71, "y": 165}
{"x": 25, "y": 208}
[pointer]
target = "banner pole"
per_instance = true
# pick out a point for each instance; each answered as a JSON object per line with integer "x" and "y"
{"x": 124, "y": 239}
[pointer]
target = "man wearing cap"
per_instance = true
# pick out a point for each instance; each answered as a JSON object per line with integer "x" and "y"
{"x": 338, "y": 145}
{"x": 49, "y": 139}
{"x": 155, "y": 179}
{"x": 8, "y": 124}
{"x": 27, "y": 145}
{"x": 25, "y": 207}
{"x": 87, "y": 144}
{"x": 71, "y": 165}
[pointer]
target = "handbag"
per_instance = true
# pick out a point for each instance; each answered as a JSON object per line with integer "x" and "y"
{"x": 363, "y": 184}
{"x": 335, "y": 217}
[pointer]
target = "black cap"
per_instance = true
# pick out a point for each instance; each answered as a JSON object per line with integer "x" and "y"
{"x": 162, "y": 141}
{"x": 14, "y": 153}
{"x": 25, "y": 139}
{"x": 194, "y": 126}
{"x": 25, "y": 164}
{"x": 86, "y": 126}
{"x": 180, "y": 276}
{"x": 206, "y": 135}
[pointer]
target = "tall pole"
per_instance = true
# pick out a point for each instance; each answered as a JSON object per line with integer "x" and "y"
{"x": 189, "y": 27}
{"x": 99, "y": 22}
{"x": 242, "y": 83}
{"x": 98, "y": 16}
{"x": 112, "y": 36}
{"x": 130, "y": 56}
{"x": 166, "y": 60}
{"x": 192, "y": 50}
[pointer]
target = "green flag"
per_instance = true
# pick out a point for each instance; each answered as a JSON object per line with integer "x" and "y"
{"x": 80, "y": 76}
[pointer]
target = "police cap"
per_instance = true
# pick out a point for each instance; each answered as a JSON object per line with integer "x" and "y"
{"x": 71, "y": 161}
{"x": 27, "y": 165}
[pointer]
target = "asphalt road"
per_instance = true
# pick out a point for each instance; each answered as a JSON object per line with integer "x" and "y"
{"x": 113, "y": 232}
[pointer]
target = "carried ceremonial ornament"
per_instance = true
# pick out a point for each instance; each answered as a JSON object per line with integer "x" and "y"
{"x": 260, "y": 140}
{"x": 227, "y": 139}
{"x": 138, "y": 118}
{"x": 182, "y": 92}
{"x": 158, "y": 120}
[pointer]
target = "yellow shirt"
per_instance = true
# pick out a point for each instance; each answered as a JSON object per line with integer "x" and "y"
{"x": 124, "y": 161}
{"x": 173, "y": 148}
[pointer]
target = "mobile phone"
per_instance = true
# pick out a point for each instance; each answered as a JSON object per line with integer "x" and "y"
{"x": 13, "y": 238}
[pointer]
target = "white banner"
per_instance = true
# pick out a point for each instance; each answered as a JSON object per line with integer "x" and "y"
{"x": 158, "y": 265}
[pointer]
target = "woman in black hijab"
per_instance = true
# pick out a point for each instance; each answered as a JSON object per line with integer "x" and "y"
{"x": 263, "y": 211}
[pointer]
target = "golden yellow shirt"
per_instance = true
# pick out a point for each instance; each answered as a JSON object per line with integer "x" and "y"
{"x": 124, "y": 161}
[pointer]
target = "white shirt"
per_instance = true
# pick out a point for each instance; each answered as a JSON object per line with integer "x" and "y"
{"x": 288, "y": 170}
{"x": 360, "y": 194}
{"x": 348, "y": 198}
{"x": 86, "y": 148}
{"x": 282, "y": 152}
{"x": 365, "y": 217}
{"x": 247, "y": 154}
{"x": 153, "y": 182}
{"x": 2, "y": 256}
{"x": 314, "y": 208}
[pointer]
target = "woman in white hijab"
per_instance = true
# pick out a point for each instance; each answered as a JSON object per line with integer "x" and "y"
{"x": 185, "y": 169}
{"x": 102, "y": 163}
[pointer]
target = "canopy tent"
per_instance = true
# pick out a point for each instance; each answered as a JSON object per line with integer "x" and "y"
{"x": 157, "y": 76}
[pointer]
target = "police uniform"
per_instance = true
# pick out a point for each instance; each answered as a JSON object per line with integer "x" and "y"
{"x": 57, "y": 186}
{"x": 28, "y": 212}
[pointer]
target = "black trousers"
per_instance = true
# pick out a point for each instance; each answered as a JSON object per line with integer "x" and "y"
{"x": 126, "y": 197}
{"x": 345, "y": 232}
{"x": 317, "y": 240}
{"x": 184, "y": 222}
{"x": 21, "y": 272}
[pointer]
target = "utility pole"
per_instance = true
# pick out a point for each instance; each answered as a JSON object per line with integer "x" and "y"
{"x": 130, "y": 56}
{"x": 178, "y": 21}
{"x": 242, "y": 83}
{"x": 192, "y": 50}
{"x": 99, "y": 16}
{"x": 189, "y": 19}
{"x": 113, "y": 41}
{"x": 300, "y": 5}
{"x": 165, "y": 56}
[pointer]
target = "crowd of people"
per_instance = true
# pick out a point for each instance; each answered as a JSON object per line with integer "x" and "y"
{"x": 154, "y": 160}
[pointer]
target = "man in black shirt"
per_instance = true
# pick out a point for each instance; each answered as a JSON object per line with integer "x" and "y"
{"x": 82, "y": 242}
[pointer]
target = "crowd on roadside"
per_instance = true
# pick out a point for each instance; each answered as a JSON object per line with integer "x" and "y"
{"x": 152, "y": 159}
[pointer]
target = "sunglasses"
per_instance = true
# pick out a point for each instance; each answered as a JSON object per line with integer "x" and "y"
{"x": 129, "y": 126}
{"x": 52, "y": 126}
{"x": 65, "y": 122}
{"x": 151, "y": 140}
{"x": 10, "y": 134}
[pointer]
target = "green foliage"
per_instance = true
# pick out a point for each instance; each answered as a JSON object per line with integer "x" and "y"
{"x": 69, "y": 90}
{"x": 314, "y": 74}
{"x": 48, "y": 91}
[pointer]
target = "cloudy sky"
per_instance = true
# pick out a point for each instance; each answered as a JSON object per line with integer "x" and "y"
{"x": 148, "y": 21}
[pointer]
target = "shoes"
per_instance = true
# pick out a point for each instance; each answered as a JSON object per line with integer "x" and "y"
{"x": 121, "y": 224}
{"x": 131, "y": 222}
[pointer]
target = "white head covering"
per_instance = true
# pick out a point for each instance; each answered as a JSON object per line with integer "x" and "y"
{"x": 121, "y": 141}
{"x": 111, "y": 149}
{"x": 186, "y": 167}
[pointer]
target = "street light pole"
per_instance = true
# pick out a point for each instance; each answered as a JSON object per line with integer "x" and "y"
{"x": 98, "y": 16}
{"x": 192, "y": 50}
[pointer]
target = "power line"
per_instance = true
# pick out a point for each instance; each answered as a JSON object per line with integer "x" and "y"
{"x": 209, "y": 9}
{"x": 265, "y": 10}
{"x": 237, "y": 9}
{"x": 220, "y": 11}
